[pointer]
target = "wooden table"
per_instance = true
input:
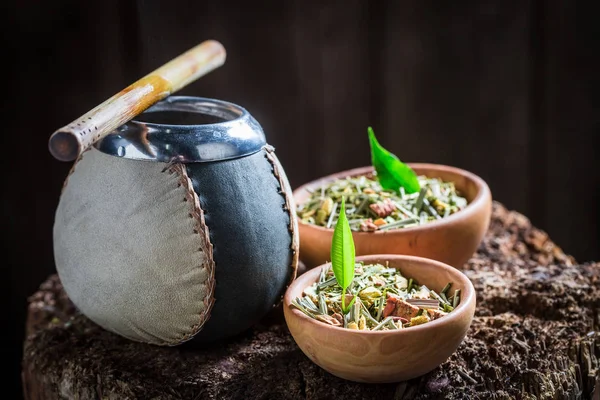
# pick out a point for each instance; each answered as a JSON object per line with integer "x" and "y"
{"x": 535, "y": 335}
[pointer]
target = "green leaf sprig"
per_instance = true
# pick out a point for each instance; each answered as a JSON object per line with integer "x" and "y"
{"x": 391, "y": 172}
{"x": 342, "y": 255}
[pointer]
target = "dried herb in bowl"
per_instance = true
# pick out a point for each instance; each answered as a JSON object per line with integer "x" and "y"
{"x": 369, "y": 297}
{"x": 393, "y": 197}
{"x": 383, "y": 299}
{"x": 371, "y": 208}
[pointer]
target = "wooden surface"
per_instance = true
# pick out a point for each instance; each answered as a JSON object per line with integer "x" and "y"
{"x": 505, "y": 88}
{"x": 534, "y": 336}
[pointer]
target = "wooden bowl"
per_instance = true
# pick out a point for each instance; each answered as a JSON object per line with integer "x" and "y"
{"x": 385, "y": 356}
{"x": 451, "y": 240}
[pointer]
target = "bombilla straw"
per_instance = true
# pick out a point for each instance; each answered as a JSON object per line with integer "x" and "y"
{"x": 67, "y": 143}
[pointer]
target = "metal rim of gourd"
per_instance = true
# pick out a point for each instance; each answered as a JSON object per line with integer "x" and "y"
{"x": 238, "y": 135}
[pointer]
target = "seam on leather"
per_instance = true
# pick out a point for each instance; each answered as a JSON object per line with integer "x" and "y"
{"x": 201, "y": 229}
{"x": 285, "y": 191}
{"x": 72, "y": 170}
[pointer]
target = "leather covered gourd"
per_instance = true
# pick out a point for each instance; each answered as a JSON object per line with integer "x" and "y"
{"x": 161, "y": 237}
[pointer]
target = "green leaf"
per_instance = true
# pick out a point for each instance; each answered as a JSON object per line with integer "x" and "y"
{"x": 349, "y": 306}
{"x": 342, "y": 253}
{"x": 391, "y": 172}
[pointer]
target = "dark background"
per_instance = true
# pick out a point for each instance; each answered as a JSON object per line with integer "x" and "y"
{"x": 507, "y": 89}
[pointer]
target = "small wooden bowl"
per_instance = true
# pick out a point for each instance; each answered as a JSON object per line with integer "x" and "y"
{"x": 385, "y": 356}
{"x": 451, "y": 240}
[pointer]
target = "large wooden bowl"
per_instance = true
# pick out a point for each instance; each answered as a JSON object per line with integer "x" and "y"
{"x": 385, "y": 356}
{"x": 451, "y": 240}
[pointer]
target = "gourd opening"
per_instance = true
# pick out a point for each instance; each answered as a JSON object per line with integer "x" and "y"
{"x": 188, "y": 111}
{"x": 186, "y": 129}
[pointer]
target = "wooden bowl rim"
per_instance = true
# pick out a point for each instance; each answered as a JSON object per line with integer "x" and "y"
{"x": 460, "y": 311}
{"x": 483, "y": 193}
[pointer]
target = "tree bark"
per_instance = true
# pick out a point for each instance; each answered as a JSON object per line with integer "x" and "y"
{"x": 534, "y": 336}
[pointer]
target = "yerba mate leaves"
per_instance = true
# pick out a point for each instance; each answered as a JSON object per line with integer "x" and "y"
{"x": 391, "y": 172}
{"x": 342, "y": 253}
{"x": 379, "y": 298}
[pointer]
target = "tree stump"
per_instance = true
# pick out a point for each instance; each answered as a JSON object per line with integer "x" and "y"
{"x": 534, "y": 336}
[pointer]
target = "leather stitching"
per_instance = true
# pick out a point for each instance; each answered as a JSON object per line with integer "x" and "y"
{"x": 72, "y": 170}
{"x": 201, "y": 229}
{"x": 290, "y": 207}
